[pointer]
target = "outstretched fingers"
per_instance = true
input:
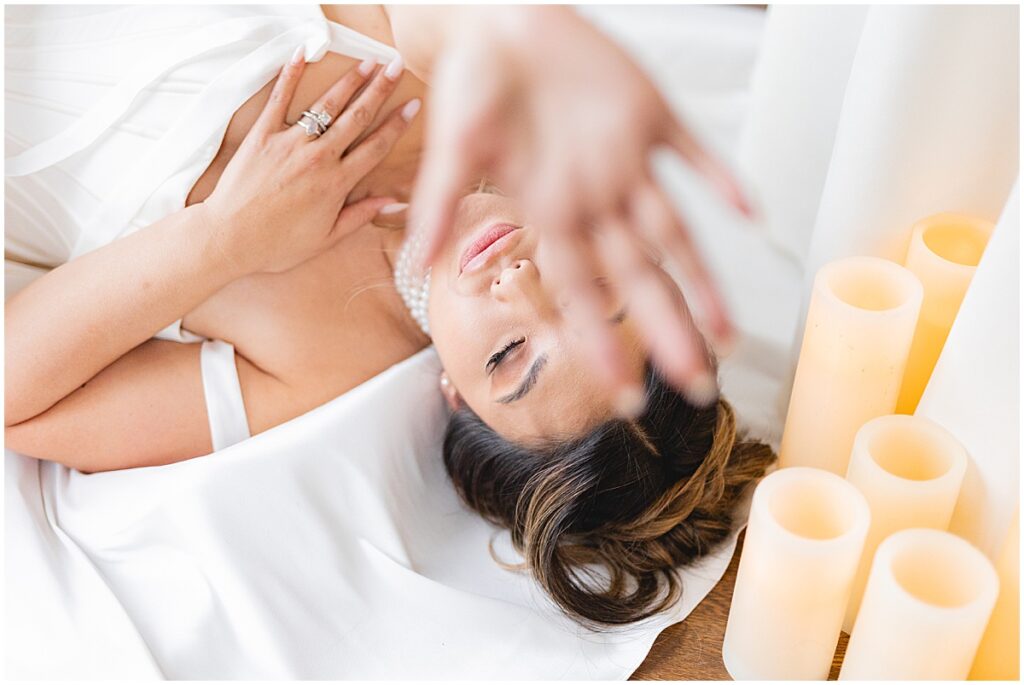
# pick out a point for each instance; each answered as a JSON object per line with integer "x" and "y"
{"x": 659, "y": 310}
{"x": 655, "y": 218}
{"x": 709, "y": 166}
{"x": 573, "y": 249}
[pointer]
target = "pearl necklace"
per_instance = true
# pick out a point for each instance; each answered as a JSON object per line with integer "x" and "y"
{"x": 414, "y": 291}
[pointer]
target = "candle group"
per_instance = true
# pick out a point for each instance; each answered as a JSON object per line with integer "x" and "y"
{"x": 804, "y": 538}
{"x": 927, "y": 601}
{"x": 860, "y": 325}
{"x": 944, "y": 253}
{"x": 873, "y": 554}
{"x": 910, "y": 470}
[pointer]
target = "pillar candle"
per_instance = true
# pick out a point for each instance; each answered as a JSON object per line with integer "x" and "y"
{"x": 998, "y": 656}
{"x": 804, "y": 537}
{"x": 928, "y": 598}
{"x": 944, "y": 253}
{"x": 910, "y": 470}
{"x": 860, "y": 323}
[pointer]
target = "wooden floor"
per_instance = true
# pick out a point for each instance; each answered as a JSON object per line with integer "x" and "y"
{"x": 692, "y": 649}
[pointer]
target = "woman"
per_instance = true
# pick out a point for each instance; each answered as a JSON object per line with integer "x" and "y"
{"x": 276, "y": 256}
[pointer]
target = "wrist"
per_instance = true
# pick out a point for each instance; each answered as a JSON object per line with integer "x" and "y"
{"x": 218, "y": 237}
{"x": 523, "y": 34}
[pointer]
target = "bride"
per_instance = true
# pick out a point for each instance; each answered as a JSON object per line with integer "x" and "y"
{"x": 285, "y": 279}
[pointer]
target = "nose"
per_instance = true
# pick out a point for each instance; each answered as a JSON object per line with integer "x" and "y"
{"x": 515, "y": 276}
{"x": 520, "y": 281}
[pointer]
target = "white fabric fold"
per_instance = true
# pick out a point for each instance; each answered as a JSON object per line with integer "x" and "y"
{"x": 321, "y": 549}
{"x": 974, "y": 391}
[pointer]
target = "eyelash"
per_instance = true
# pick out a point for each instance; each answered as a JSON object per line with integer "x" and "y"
{"x": 496, "y": 358}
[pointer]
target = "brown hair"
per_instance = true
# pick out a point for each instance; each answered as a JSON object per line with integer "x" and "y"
{"x": 636, "y": 498}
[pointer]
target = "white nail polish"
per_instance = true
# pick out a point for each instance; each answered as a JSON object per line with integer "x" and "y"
{"x": 366, "y": 67}
{"x": 703, "y": 390}
{"x": 394, "y": 68}
{"x": 723, "y": 347}
{"x": 299, "y": 55}
{"x": 630, "y": 402}
{"x": 393, "y": 208}
{"x": 411, "y": 109}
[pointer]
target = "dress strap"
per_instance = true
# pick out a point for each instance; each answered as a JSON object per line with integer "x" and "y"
{"x": 225, "y": 408}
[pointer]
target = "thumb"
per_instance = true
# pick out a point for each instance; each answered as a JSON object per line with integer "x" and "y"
{"x": 439, "y": 187}
{"x": 357, "y": 215}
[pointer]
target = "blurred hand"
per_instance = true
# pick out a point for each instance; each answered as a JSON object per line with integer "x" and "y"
{"x": 549, "y": 109}
{"x": 282, "y": 197}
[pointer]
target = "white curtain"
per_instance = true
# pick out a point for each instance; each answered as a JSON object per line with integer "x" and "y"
{"x": 865, "y": 119}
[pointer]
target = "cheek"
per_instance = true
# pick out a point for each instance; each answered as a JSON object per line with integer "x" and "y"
{"x": 459, "y": 332}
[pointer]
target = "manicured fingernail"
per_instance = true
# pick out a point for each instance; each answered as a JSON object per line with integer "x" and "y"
{"x": 411, "y": 109}
{"x": 630, "y": 402}
{"x": 703, "y": 390}
{"x": 742, "y": 204}
{"x": 421, "y": 260}
{"x": 366, "y": 66}
{"x": 723, "y": 346}
{"x": 394, "y": 68}
{"x": 299, "y": 55}
{"x": 393, "y": 208}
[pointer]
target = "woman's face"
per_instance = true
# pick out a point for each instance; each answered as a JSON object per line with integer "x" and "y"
{"x": 507, "y": 351}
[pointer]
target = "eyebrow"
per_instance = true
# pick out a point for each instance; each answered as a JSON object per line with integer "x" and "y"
{"x": 528, "y": 382}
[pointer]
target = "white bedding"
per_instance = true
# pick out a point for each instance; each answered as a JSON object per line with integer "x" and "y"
{"x": 325, "y": 547}
{"x": 333, "y": 546}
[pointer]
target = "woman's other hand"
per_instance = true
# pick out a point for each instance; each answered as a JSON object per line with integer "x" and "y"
{"x": 556, "y": 115}
{"x": 282, "y": 197}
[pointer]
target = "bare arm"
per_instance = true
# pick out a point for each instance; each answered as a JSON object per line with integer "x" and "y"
{"x": 145, "y": 409}
{"x": 75, "y": 321}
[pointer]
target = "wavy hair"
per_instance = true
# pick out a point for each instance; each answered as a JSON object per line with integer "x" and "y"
{"x": 635, "y": 499}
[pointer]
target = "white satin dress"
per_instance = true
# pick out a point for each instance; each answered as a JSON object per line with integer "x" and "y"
{"x": 112, "y": 115}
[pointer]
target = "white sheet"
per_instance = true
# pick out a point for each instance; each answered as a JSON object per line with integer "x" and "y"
{"x": 320, "y": 548}
{"x": 333, "y": 545}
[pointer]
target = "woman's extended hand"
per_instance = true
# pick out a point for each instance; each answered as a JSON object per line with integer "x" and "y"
{"x": 281, "y": 199}
{"x": 541, "y": 103}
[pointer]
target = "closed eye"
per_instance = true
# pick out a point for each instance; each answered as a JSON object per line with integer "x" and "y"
{"x": 496, "y": 358}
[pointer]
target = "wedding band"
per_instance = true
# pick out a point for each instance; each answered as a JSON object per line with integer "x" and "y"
{"x": 314, "y": 123}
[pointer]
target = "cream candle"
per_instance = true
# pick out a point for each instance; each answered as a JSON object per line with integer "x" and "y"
{"x": 944, "y": 252}
{"x": 804, "y": 537}
{"x": 998, "y": 656}
{"x": 860, "y": 323}
{"x": 910, "y": 470}
{"x": 928, "y": 598}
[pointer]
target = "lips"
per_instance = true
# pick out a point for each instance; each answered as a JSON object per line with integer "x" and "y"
{"x": 486, "y": 244}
